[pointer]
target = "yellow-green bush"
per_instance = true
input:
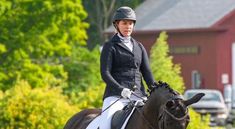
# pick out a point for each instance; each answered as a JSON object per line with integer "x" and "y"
{"x": 41, "y": 108}
{"x": 196, "y": 122}
{"x": 1, "y": 94}
{"x": 91, "y": 98}
{"x": 162, "y": 64}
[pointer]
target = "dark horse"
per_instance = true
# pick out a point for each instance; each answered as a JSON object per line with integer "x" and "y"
{"x": 164, "y": 109}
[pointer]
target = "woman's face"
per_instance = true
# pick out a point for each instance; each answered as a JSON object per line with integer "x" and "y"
{"x": 125, "y": 27}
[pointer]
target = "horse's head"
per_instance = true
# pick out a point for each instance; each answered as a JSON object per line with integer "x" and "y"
{"x": 173, "y": 112}
{"x": 175, "y": 115}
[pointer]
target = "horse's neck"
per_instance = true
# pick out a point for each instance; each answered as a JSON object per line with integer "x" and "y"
{"x": 154, "y": 103}
{"x": 146, "y": 117}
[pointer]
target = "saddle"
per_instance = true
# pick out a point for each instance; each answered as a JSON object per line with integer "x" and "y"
{"x": 120, "y": 116}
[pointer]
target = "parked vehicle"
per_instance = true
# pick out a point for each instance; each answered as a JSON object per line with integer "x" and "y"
{"x": 212, "y": 103}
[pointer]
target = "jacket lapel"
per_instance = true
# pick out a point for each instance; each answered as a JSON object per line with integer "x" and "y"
{"x": 135, "y": 46}
{"x": 125, "y": 47}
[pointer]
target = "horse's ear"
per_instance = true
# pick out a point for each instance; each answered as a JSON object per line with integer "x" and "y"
{"x": 194, "y": 99}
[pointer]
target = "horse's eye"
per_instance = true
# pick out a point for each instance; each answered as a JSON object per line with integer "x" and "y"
{"x": 170, "y": 104}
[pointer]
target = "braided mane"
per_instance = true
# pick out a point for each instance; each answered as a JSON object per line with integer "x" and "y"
{"x": 161, "y": 84}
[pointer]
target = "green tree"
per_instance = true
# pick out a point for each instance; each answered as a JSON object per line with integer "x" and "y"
{"x": 83, "y": 71}
{"x": 162, "y": 65}
{"x": 36, "y": 37}
{"x": 22, "y": 107}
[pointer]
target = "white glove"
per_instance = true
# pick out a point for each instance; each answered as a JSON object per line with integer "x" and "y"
{"x": 144, "y": 98}
{"x": 126, "y": 93}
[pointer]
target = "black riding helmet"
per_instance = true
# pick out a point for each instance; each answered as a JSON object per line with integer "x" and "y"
{"x": 124, "y": 13}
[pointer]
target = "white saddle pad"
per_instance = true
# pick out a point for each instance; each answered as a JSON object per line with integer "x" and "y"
{"x": 95, "y": 123}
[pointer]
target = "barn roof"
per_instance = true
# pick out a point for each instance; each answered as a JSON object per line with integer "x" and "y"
{"x": 180, "y": 14}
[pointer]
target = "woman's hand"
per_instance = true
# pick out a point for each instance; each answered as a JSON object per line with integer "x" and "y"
{"x": 126, "y": 93}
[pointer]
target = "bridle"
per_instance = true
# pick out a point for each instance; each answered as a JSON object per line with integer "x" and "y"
{"x": 162, "y": 116}
{"x": 165, "y": 112}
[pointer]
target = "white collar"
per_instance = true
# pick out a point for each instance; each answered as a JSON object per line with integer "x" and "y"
{"x": 124, "y": 39}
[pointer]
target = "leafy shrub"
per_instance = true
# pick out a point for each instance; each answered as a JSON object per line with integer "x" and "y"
{"x": 41, "y": 108}
{"x": 83, "y": 70}
{"x": 196, "y": 122}
{"x": 1, "y": 94}
{"x": 91, "y": 98}
{"x": 162, "y": 64}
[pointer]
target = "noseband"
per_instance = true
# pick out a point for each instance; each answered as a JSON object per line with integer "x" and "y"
{"x": 165, "y": 112}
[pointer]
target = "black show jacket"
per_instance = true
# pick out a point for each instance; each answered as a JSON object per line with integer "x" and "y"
{"x": 121, "y": 68}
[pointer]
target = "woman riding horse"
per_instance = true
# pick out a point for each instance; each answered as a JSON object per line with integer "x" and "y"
{"x": 164, "y": 109}
{"x": 123, "y": 63}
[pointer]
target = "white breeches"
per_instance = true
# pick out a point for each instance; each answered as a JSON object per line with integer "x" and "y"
{"x": 106, "y": 116}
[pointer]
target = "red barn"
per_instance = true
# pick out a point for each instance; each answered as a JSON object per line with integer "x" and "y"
{"x": 201, "y": 37}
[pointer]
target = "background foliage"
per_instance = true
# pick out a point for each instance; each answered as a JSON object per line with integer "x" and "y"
{"x": 83, "y": 69}
{"x": 162, "y": 64}
{"x": 36, "y": 36}
{"x": 196, "y": 122}
{"x": 91, "y": 98}
{"x": 38, "y": 108}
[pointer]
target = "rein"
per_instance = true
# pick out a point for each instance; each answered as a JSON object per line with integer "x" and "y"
{"x": 142, "y": 115}
{"x": 163, "y": 114}
{"x": 176, "y": 118}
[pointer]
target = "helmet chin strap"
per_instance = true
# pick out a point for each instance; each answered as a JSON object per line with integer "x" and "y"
{"x": 115, "y": 25}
